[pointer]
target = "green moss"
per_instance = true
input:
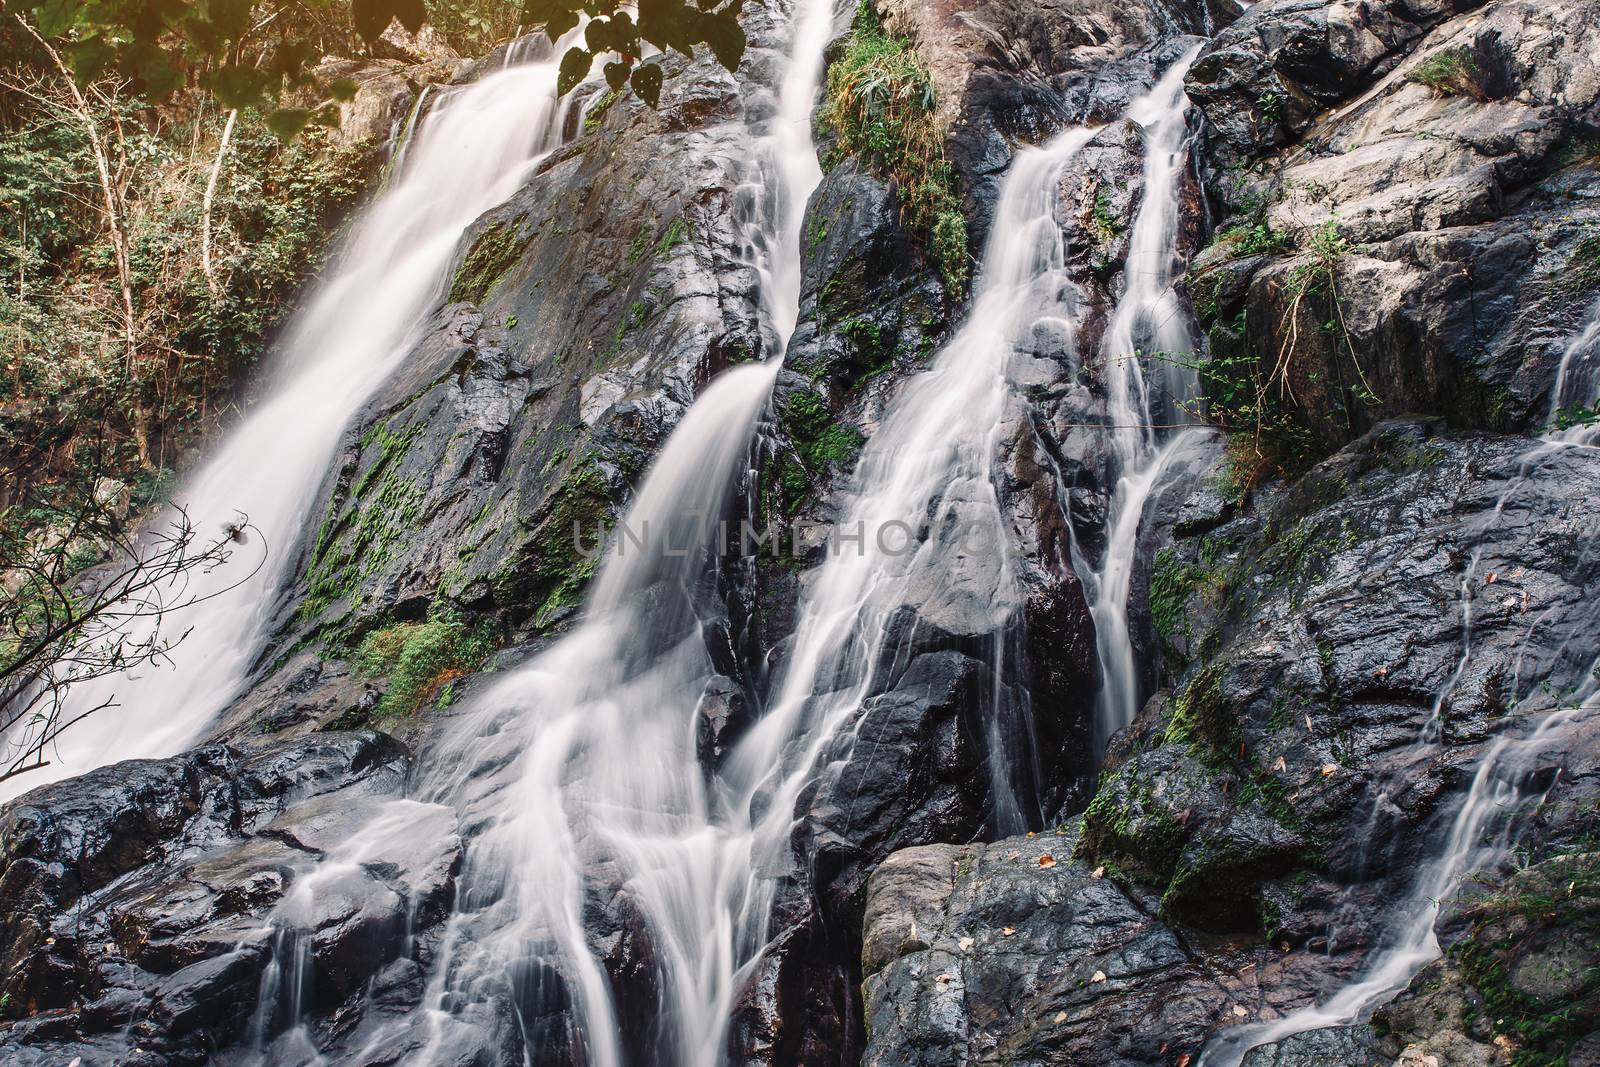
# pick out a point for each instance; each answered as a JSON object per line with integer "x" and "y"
{"x": 1541, "y": 907}
{"x": 880, "y": 106}
{"x": 1201, "y": 716}
{"x": 1171, "y": 584}
{"x": 819, "y": 442}
{"x": 496, "y": 251}
{"x": 597, "y": 113}
{"x": 1127, "y": 820}
{"x": 676, "y": 233}
{"x": 361, "y": 533}
{"x": 421, "y": 658}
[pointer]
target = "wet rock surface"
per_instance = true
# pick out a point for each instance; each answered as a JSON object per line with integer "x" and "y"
{"x": 147, "y": 905}
{"x": 1258, "y": 822}
{"x": 1244, "y": 845}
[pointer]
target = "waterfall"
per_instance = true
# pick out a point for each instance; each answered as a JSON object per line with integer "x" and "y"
{"x": 1499, "y": 784}
{"x": 924, "y": 479}
{"x": 1578, "y": 381}
{"x": 578, "y": 775}
{"x": 1498, "y": 787}
{"x": 469, "y": 153}
{"x": 1148, "y": 331}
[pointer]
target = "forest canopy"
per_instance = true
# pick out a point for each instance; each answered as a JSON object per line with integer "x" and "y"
{"x": 254, "y": 53}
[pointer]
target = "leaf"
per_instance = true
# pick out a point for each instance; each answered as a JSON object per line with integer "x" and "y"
{"x": 616, "y": 73}
{"x": 371, "y": 17}
{"x": 1008, "y": 930}
{"x": 725, "y": 37}
{"x": 54, "y": 17}
{"x": 574, "y": 68}
{"x": 647, "y": 83}
{"x": 557, "y": 25}
{"x": 1047, "y": 860}
{"x": 287, "y": 122}
{"x": 1099, "y": 872}
{"x": 1329, "y": 768}
{"x": 343, "y": 89}
{"x": 1097, "y": 977}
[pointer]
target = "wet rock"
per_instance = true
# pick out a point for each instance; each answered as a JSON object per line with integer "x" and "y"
{"x": 1262, "y": 81}
{"x": 1353, "y": 1046}
{"x": 146, "y": 903}
{"x": 1438, "y": 229}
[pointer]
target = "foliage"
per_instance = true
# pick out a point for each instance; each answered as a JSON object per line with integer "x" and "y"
{"x": 195, "y": 335}
{"x": 880, "y": 104}
{"x": 620, "y": 29}
{"x": 1549, "y": 903}
{"x": 61, "y": 627}
{"x": 263, "y": 54}
{"x": 1452, "y": 71}
{"x": 421, "y": 658}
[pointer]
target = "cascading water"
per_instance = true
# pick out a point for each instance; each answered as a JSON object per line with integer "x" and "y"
{"x": 579, "y": 773}
{"x": 923, "y": 483}
{"x": 578, "y": 776}
{"x": 1146, "y": 352}
{"x": 1499, "y": 785}
{"x": 470, "y": 151}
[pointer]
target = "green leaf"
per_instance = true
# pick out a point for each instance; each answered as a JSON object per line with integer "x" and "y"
{"x": 616, "y": 74}
{"x": 55, "y": 17}
{"x": 343, "y": 89}
{"x": 725, "y": 36}
{"x": 287, "y": 122}
{"x": 411, "y": 13}
{"x": 574, "y": 68}
{"x": 230, "y": 18}
{"x": 669, "y": 24}
{"x": 647, "y": 83}
{"x": 372, "y": 17}
{"x": 556, "y": 16}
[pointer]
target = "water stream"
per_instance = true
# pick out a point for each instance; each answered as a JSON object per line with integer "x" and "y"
{"x": 1147, "y": 352}
{"x": 1481, "y": 832}
{"x": 477, "y": 141}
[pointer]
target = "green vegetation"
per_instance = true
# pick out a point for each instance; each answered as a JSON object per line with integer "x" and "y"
{"x": 361, "y": 533}
{"x": 495, "y": 251}
{"x": 1171, "y": 584}
{"x": 264, "y": 54}
{"x": 421, "y": 658}
{"x": 880, "y": 104}
{"x": 1451, "y": 71}
{"x": 819, "y": 443}
{"x": 142, "y": 335}
{"x": 597, "y": 111}
{"x": 1542, "y": 907}
{"x": 1579, "y": 276}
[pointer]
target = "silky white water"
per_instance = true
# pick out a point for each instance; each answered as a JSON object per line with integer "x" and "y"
{"x": 1146, "y": 351}
{"x": 578, "y": 774}
{"x": 1497, "y": 790}
{"x": 470, "y": 152}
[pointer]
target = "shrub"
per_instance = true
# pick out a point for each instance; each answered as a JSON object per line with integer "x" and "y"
{"x": 420, "y": 659}
{"x": 880, "y": 105}
{"x": 1451, "y": 71}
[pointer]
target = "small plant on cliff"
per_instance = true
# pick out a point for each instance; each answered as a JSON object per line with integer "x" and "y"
{"x": 1450, "y": 71}
{"x": 880, "y": 103}
{"x": 421, "y": 658}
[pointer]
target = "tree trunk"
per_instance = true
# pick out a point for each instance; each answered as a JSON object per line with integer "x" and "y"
{"x": 205, "y": 206}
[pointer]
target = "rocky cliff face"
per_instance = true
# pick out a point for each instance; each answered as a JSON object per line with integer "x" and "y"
{"x": 1352, "y": 606}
